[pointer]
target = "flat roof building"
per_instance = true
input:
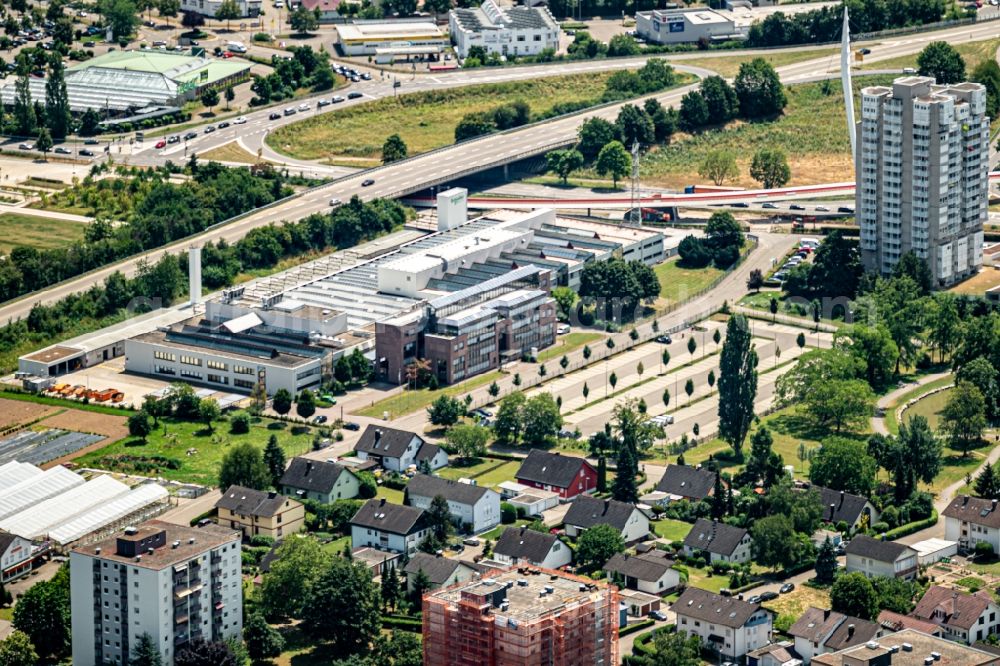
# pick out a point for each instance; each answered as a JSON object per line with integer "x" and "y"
{"x": 366, "y": 37}
{"x": 525, "y": 616}
{"x": 675, "y": 26}
{"x": 908, "y": 647}
{"x": 507, "y": 31}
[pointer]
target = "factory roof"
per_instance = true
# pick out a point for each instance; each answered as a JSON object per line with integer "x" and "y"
{"x": 388, "y": 30}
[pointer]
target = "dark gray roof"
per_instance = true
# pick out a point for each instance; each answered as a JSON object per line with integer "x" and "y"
{"x": 424, "y": 485}
{"x": 437, "y": 568}
{"x": 586, "y": 511}
{"x": 715, "y": 537}
{"x": 550, "y": 468}
{"x": 687, "y": 481}
{"x": 839, "y": 505}
{"x": 876, "y": 549}
{"x": 852, "y": 631}
{"x": 250, "y": 502}
{"x": 385, "y": 516}
{"x": 974, "y": 510}
{"x": 312, "y": 475}
{"x": 6, "y": 538}
{"x": 649, "y": 566}
{"x": 525, "y": 544}
{"x": 382, "y": 441}
{"x": 715, "y": 608}
{"x": 834, "y": 630}
{"x": 427, "y": 451}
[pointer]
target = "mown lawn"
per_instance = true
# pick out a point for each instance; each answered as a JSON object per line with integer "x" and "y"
{"x": 678, "y": 283}
{"x": 407, "y": 401}
{"x": 424, "y": 120}
{"x": 195, "y": 451}
{"x": 488, "y": 472}
{"x": 391, "y": 494}
{"x": 972, "y": 53}
{"x": 706, "y": 580}
{"x": 670, "y": 529}
{"x": 567, "y": 343}
{"x": 729, "y": 66}
{"x": 40, "y": 233}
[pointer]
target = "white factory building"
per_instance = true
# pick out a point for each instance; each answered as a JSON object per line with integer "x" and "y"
{"x": 676, "y": 26}
{"x": 397, "y": 36}
{"x": 248, "y": 8}
{"x": 507, "y": 31}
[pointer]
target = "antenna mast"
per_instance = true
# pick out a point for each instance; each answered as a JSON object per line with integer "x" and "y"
{"x": 845, "y": 80}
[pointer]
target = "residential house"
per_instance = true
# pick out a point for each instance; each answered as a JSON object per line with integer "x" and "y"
{"x": 727, "y": 625}
{"x": 441, "y": 571}
{"x": 377, "y": 561}
{"x": 839, "y": 506}
{"x": 969, "y": 520}
{"x": 964, "y": 617}
{"x": 651, "y": 572}
{"x": 318, "y": 480}
{"x": 722, "y": 542}
{"x": 874, "y": 557}
{"x": 775, "y": 654}
{"x": 892, "y": 621}
{"x": 473, "y": 509}
{"x": 568, "y": 476}
{"x": 681, "y": 482}
{"x": 586, "y": 511}
{"x": 15, "y": 557}
{"x": 520, "y": 545}
{"x": 397, "y": 450}
{"x": 260, "y": 513}
{"x": 327, "y": 11}
{"x": 819, "y": 630}
{"x": 387, "y": 526}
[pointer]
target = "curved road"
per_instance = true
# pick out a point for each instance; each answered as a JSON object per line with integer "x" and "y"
{"x": 452, "y": 162}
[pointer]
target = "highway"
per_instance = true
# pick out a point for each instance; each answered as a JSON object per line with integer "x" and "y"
{"x": 448, "y": 164}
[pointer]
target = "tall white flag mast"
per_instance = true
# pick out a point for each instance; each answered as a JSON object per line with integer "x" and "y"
{"x": 845, "y": 79}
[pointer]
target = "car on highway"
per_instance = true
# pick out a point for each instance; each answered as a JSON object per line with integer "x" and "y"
{"x": 304, "y": 106}
{"x": 797, "y": 207}
{"x": 335, "y": 202}
{"x": 741, "y": 204}
{"x": 63, "y": 150}
{"x": 321, "y": 103}
{"x": 909, "y": 70}
{"x": 190, "y": 135}
{"x": 173, "y": 139}
{"x": 336, "y": 99}
{"x": 354, "y": 95}
{"x": 274, "y": 116}
{"x": 26, "y": 146}
{"x": 768, "y": 205}
{"x": 351, "y": 425}
{"x": 241, "y": 120}
{"x": 160, "y": 144}
{"x": 664, "y": 339}
{"x": 209, "y": 129}
{"x": 823, "y": 209}
{"x": 845, "y": 209}
{"x": 367, "y": 182}
{"x": 91, "y": 142}
{"x": 86, "y": 152}
{"x": 865, "y": 51}
{"x": 786, "y": 588}
{"x": 289, "y": 111}
{"x": 224, "y": 124}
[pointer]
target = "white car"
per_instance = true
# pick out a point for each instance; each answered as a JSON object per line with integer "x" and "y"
{"x": 562, "y": 329}
{"x": 335, "y": 202}
{"x": 303, "y": 106}
{"x": 241, "y": 120}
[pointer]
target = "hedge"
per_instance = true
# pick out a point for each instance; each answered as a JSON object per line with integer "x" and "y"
{"x": 641, "y": 644}
{"x": 402, "y": 623}
{"x": 910, "y": 528}
{"x": 638, "y": 626}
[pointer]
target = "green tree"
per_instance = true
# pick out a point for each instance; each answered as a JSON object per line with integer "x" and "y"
{"x": 25, "y": 120}
{"x": 723, "y": 104}
{"x": 44, "y": 142}
{"x": 474, "y": 124}
{"x": 912, "y": 457}
{"x": 394, "y": 149}
{"x": 274, "y": 458}
{"x": 243, "y": 465}
{"x": 915, "y": 268}
{"x": 297, "y": 565}
{"x": 594, "y": 134}
{"x": 737, "y": 383}
{"x": 89, "y": 123}
{"x": 229, "y": 10}
{"x": 210, "y": 97}
{"x": 192, "y": 21}
{"x": 57, "y": 114}
{"x": 208, "y": 411}
{"x": 844, "y": 464}
{"x": 942, "y": 61}
{"x": 874, "y": 347}
{"x": 633, "y": 125}
{"x": 719, "y": 166}
{"x": 980, "y": 373}
{"x": 239, "y": 423}
{"x": 440, "y": 521}
{"x": 204, "y": 653}
{"x": 43, "y": 613}
{"x": 445, "y": 411}
{"x": 987, "y": 484}
{"x": 508, "y": 424}
{"x": 229, "y": 94}
{"x": 826, "y": 563}
{"x": 597, "y": 545}
{"x": 613, "y": 160}
{"x": 305, "y": 406}
{"x": 987, "y": 72}
{"x": 401, "y": 648}
{"x": 775, "y": 543}
{"x": 494, "y": 389}
{"x": 263, "y": 641}
{"x": 540, "y": 420}
{"x": 759, "y": 90}
{"x": 770, "y": 168}
{"x": 122, "y": 16}
{"x": 17, "y": 650}
{"x": 391, "y": 591}
{"x": 963, "y": 418}
{"x": 622, "y": 45}
{"x": 139, "y": 425}
{"x": 469, "y": 441}
{"x": 853, "y": 594}
{"x": 564, "y": 162}
{"x": 282, "y": 401}
{"x": 943, "y": 322}
{"x": 565, "y": 299}
{"x": 343, "y": 608}
{"x": 676, "y": 648}
{"x": 693, "y": 114}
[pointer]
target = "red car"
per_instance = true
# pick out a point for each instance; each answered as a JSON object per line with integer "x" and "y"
{"x": 161, "y": 144}
{"x": 227, "y": 55}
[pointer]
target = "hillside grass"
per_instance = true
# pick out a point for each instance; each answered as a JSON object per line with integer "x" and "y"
{"x": 728, "y": 65}
{"x": 678, "y": 283}
{"x": 40, "y": 233}
{"x": 972, "y": 53}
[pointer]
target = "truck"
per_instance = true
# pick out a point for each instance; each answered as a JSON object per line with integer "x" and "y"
{"x": 236, "y": 47}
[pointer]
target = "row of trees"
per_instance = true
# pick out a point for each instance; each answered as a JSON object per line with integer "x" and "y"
{"x": 306, "y": 68}
{"x": 505, "y": 116}
{"x": 756, "y": 93}
{"x": 720, "y": 246}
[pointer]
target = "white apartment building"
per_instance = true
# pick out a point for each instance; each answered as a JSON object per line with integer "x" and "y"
{"x": 969, "y": 520}
{"x": 874, "y": 557}
{"x": 921, "y": 169}
{"x": 730, "y": 626}
{"x": 386, "y": 526}
{"x": 508, "y": 31}
{"x": 248, "y": 8}
{"x": 177, "y": 584}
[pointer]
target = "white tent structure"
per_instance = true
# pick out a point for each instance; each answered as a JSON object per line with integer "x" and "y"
{"x": 37, "y": 488}
{"x": 34, "y": 522}
{"x": 15, "y": 472}
{"x": 133, "y": 502}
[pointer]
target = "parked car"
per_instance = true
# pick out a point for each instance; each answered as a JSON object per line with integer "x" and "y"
{"x": 274, "y": 116}
{"x": 768, "y": 596}
{"x": 87, "y": 153}
{"x": 91, "y": 142}
{"x": 472, "y": 541}
{"x": 865, "y": 51}
{"x": 162, "y": 143}
{"x": 304, "y": 106}
{"x": 351, "y": 425}
{"x": 562, "y": 329}
{"x": 786, "y": 588}
{"x": 665, "y": 339}
{"x": 336, "y": 99}
{"x": 62, "y": 150}
{"x": 658, "y": 615}
{"x": 354, "y": 95}
{"x": 366, "y": 77}
{"x": 321, "y": 103}
{"x": 26, "y": 146}
{"x": 367, "y": 182}
{"x": 320, "y": 418}
{"x": 289, "y": 111}
{"x": 485, "y": 413}
{"x": 567, "y": 434}
{"x": 755, "y": 599}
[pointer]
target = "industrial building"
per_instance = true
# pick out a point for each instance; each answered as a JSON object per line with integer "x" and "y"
{"x": 362, "y": 38}
{"x": 248, "y": 8}
{"x": 908, "y": 647}
{"x": 922, "y": 171}
{"x": 177, "y": 584}
{"x": 141, "y": 82}
{"x": 525, "y": 617}
{"x": 676, "y": 26}
{"x": 508, "y": 31}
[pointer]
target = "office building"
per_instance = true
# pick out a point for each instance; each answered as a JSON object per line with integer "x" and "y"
{"x": 177, "y": 584}
{"x": 247, "y": 8}
{"x": 676, "y": 26}
{"x": 522, "y": 617}
{"x": 508, "y": 31}
{"x": 370, "y": 37}
{"x": 921, "y": 173}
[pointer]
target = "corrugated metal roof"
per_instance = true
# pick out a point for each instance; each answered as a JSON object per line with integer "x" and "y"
{"x": 37, "y": 489}
{"x": 36, "y": 521}
{"x": 80, "y": 526}
{"x": 15, "y": 472}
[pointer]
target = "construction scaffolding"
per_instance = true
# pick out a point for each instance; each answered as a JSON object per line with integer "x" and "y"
{"x": 522, "y": 617}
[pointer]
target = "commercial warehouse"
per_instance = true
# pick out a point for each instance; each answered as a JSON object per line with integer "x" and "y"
{"x": 675, "y": 26}
{"x": 507, "y": 31}
{"x": 366, "y": 37}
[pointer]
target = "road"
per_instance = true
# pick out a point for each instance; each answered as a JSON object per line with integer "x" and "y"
{"x": 448, "y": 164}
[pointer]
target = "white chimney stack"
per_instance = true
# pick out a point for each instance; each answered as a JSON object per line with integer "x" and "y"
{"x": 194, "y": 275}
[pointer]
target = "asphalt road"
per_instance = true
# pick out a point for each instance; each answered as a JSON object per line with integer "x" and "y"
{"x": 444, "y": 165}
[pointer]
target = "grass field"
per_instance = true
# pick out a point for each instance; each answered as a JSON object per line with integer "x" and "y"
{"x": 976, "y": 285}
{"x": 425, "y": 120}
{"x": 798, "y": 600}
{"x": 930, "y": 408}
{"x": 890, "y": 413}
{"x": 197, "y": 451}
{"x": 972, "y": 53}
{"x": 678, "y": 283}
{"x": 391, "y": 494}
{"x": 488, "y": 472}
{"x": 41, "y": 233}
{"x": 670, "y": 529}
{"x": 229, "y": 152}
{"x": 567, "y": 343}
{"x": 729, "y": 66}
{"x": 408, "y": 401}
{"x": 706, "y": 580}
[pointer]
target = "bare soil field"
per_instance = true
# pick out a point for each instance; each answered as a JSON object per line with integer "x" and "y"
{"x": 13, "y": 412}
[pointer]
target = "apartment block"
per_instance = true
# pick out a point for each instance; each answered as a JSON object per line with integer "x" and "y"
{"x": 177, "y": 584}
{"x": 522, "y": 617}
{"x": 921, "y": 172}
